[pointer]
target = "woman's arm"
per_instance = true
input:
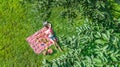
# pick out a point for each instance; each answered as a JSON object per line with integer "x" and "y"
{"x": 49, "y": 25}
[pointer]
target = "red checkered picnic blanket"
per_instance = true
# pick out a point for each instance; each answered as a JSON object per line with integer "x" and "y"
{"x": 39, "y": 41}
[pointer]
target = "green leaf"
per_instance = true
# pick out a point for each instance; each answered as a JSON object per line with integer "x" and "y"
{"x": 83, "y": 64}
{"x": 108, "y": 34}
{"x": 102, "y": 4}
{"x": 99, "y": 65}
{"x": 119, "y": 20}
{"x": 104, "y": 36}
{"x": 98, "y": 4}
{"x": 88, "y": 1}
{"x": 78, "y": 63}
{"x": 54, "y": 64}
{"x": 111, "y": 30}
{"x": 100, "y": 41}
{"x": 105, "y": 47}
{"x": 96, "y": 60}
{"x": 88, "y": 59}
{"x": 98, "y": 35}
{"x": 113, "y": 57}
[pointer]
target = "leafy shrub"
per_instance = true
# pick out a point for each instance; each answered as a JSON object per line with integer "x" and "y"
{"x": 96, "y": 42}
{"x": 94, "y": 48}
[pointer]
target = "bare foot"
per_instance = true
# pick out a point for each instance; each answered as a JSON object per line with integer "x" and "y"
{"x": 44, "y": 52}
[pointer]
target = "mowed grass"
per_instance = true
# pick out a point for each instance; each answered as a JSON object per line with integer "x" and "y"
{"x": 17, "y": 22}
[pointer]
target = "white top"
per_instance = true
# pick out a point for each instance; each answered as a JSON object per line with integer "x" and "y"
{"x": 49, "y": 31}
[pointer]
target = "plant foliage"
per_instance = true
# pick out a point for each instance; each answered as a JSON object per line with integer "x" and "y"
{"x": 97, "y": 41}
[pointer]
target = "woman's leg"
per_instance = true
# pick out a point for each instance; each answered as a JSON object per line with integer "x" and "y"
{"x": 55, "y": 43}
{"x": 57, "y": 46}
{"x": 44, "y": 52}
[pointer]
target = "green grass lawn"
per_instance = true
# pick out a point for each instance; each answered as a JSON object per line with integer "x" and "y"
{"x": 17, "y": 22}
{"x": 15, "y": 51}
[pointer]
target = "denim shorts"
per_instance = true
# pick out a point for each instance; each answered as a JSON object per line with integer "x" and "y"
{"x": 52, "y": 37}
